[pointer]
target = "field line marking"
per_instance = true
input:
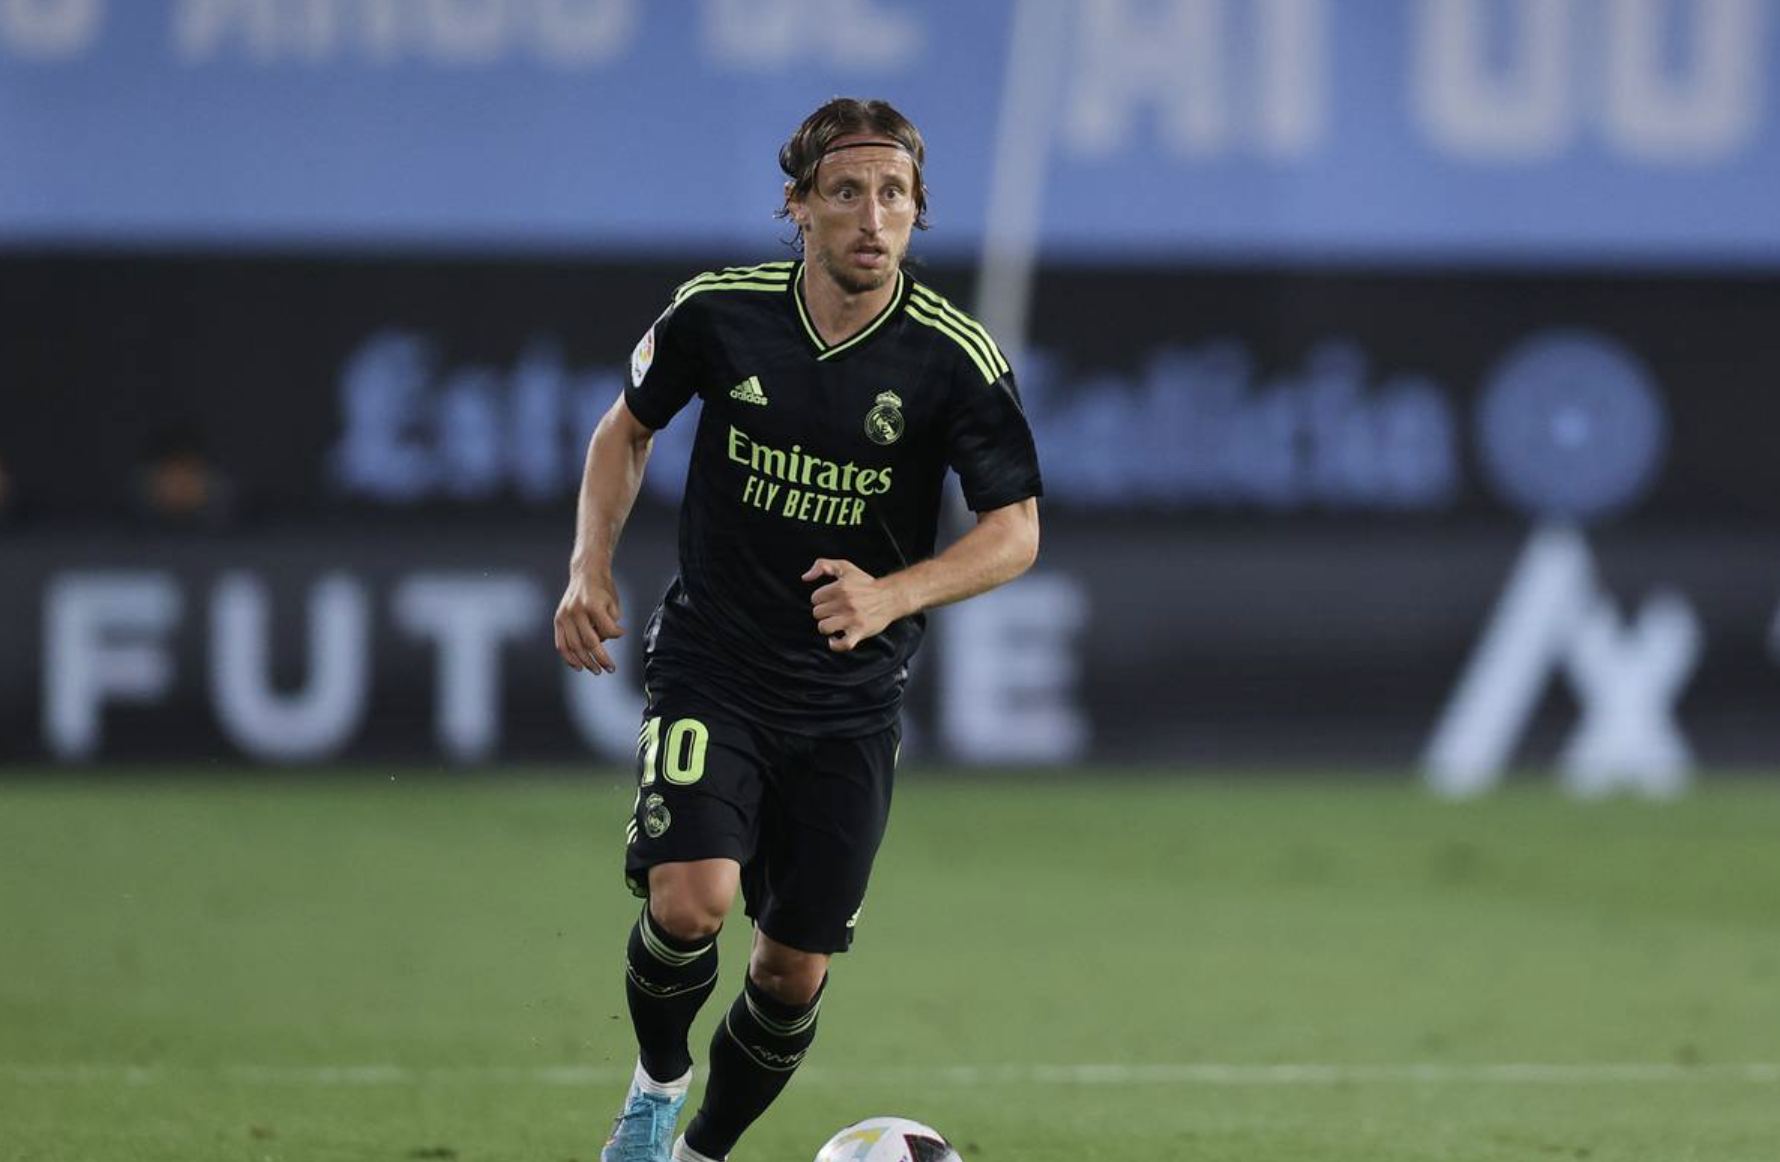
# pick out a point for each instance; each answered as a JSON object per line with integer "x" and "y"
{"x": 1200, "y": 1073}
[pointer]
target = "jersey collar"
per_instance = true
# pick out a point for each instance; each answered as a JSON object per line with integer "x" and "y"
{"x": 824, "y": 350}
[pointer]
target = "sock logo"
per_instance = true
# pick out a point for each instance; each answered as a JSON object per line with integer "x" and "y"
{"x": 777, "y": 1060}
{"x": 661, "y": 991}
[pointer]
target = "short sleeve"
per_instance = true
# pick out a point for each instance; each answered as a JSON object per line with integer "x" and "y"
{"x": 989, "y": 443}
{"x": 663, "y": 369}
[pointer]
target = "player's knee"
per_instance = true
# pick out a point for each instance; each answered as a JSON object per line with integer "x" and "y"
{"x": 683, "y": 918}
{"x": 688, "y": 906}
{"x": 788, "y": 975}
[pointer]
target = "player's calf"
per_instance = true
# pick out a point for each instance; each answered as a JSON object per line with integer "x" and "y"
{"x": 788, "y": 975}
{"x": 758, "y": 1045}
{"x": 666, "y": 981}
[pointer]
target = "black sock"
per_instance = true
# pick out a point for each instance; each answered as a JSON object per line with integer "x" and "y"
{"x": 756, "y": 1048}
{"x": 666, "y": 980}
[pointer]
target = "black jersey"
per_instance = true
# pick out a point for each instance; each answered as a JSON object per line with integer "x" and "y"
{"x": 805, "y": 450}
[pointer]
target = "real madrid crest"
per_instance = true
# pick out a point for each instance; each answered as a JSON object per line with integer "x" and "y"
{"x": 656, "y": 817}
{"x": 884, "y": 423}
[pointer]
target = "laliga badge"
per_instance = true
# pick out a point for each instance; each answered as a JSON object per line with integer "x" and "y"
{"x": 642, "y": 357}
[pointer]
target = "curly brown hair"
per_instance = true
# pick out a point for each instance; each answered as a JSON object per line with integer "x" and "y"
{"x": 800, "y": 156}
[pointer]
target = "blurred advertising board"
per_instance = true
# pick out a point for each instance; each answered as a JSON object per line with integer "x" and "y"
{"x": 1626, "y": 659}
{"x": 1196, "y": 397}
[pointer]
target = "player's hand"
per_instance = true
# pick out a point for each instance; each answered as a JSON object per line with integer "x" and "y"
{"x": 852, "y": 606}
{"x": 586, "y": 618}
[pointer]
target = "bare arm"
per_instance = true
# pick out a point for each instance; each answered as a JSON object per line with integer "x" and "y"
{"x": 588, "y": 614}
{"x": 855, "y": 605}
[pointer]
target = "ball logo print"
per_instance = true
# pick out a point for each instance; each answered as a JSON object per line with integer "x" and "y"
{"x": 888, "y": 1139}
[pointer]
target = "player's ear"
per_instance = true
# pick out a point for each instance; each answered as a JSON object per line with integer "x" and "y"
{"x": 794, "y": 205}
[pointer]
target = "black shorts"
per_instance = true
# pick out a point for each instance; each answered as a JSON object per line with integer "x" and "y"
{"x": 803, "y": 815}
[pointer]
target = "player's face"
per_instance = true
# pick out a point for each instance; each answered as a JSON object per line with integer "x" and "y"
{"x": 857, "y": 220}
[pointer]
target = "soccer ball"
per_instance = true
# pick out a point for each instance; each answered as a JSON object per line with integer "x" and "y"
{"x": 888, "y": 1140}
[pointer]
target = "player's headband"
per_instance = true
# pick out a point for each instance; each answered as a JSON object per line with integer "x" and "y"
{"x": 875, "y": 142}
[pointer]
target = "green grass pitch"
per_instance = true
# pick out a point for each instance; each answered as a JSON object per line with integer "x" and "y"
{"x": 267, "y": 968}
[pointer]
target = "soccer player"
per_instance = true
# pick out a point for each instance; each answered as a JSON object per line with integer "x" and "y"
{"x": 836, "y": 391}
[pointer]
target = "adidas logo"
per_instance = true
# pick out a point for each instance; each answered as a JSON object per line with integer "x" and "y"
{"x": 748, "y": 391}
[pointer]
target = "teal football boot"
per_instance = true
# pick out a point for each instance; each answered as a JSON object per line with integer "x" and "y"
{"x": 644, "y": 1131}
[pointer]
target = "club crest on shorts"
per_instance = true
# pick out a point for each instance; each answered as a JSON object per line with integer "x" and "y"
{"x": 656, "y": 816}
{"x": 884, "y": 423}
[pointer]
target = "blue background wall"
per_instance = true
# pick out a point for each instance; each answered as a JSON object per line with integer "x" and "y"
{"x": 1411, "y": 130}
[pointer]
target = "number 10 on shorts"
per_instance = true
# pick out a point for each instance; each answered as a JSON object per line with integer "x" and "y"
{"x": 676, "y": 754}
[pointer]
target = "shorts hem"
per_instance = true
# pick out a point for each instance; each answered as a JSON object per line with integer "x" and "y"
{"x": 827, "y": 947}
{"x": 636, "y": 867}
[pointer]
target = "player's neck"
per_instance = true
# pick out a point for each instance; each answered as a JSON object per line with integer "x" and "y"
{"x": 836, "y": 313}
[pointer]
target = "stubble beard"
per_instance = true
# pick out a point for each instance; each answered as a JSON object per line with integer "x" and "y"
{"x": 855, "y": 282}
